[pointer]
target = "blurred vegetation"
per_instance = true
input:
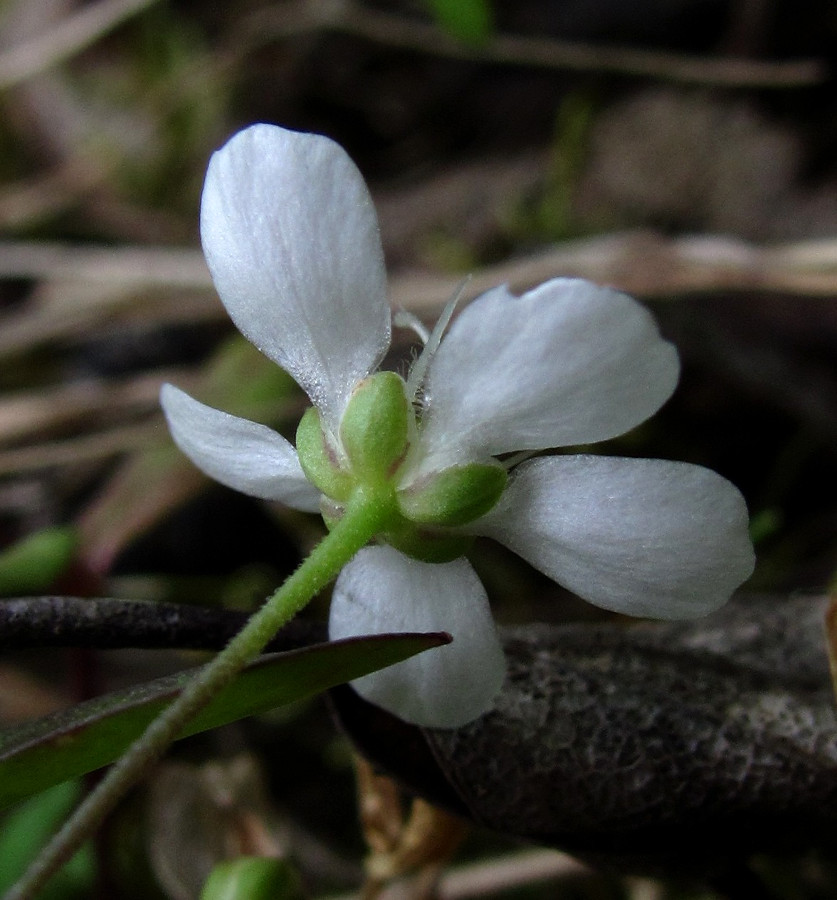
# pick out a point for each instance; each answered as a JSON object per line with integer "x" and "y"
{"x": 479, "y": 152}
{"x": 27, "y": 829}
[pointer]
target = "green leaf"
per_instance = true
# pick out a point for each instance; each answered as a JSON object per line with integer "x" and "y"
{"x": 47, "y": 751}
{"x": 33, "y": 563}
{"x": 253, "y": 878}
{"x": 26, "y": 830}
{"x": 470, "y": 21}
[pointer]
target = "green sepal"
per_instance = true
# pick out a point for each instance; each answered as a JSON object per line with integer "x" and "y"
{"x": 454, "y": 496}
{"x": 253, "y": 878}
{"x": 375, "y": 427}
{"x": 426, "y": 543}
{"x": 331, "y": 512}
{"x": 320, "y": 460}
{"x": 429, "y": 544}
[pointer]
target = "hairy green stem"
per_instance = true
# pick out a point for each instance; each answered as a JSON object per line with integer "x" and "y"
{"x": 366, "y": 515}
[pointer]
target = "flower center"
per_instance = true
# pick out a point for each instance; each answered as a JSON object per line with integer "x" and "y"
{"x": 377, "y": 433}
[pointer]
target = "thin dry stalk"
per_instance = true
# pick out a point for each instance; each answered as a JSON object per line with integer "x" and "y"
{"x": 74, "y": 405}
{"x": 86, "y": 448}
{"x": 92, "y": 287}
{"x": 292, "y": 19}
{"x": 65, "y": 39}
{"x": 483, "y": 879}
{"x": 639, "y": 261}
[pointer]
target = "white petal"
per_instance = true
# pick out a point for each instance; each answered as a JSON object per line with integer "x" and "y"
{"x": 380, "y": 591}
{"x": 567, "y": 363}
{"x": 644, "y": 537}
{"x": 291, "y": 238}
{"x": 243, "y": 455}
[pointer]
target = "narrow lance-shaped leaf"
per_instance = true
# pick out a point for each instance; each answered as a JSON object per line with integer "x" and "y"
{"x": 47, "y": 751}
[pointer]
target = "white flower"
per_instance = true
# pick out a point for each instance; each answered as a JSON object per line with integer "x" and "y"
{"x": 291, "y": 239}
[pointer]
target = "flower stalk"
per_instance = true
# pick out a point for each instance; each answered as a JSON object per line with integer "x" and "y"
{"x": 366, "y": 514}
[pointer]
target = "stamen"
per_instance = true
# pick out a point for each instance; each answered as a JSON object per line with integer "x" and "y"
{"x": 402, "y": 318}
{"x": 431, "y": 345}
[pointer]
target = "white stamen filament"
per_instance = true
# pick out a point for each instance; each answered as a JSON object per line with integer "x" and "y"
{"x": 431, "y": 345}
{"x": 402, "y": 318}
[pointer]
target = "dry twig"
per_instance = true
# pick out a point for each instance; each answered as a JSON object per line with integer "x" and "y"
{"x": 306, "y": 16}
{"x": 491, "y": 876}
{"x": 641, "y": 263}
{"x": 70, "y": 36}
{"x": 73, "y": 405}
{"x": 85, "y": 448}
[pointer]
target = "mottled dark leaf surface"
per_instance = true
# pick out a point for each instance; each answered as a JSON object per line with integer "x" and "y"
{"x": 674, "y": 747}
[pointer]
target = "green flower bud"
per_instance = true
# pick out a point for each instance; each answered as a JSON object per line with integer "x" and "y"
{"x": 375, "y": 427}
{"x": 253, "y": 878}
{"x": 454, "y": 496}
{"x": 320, "y": 460}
